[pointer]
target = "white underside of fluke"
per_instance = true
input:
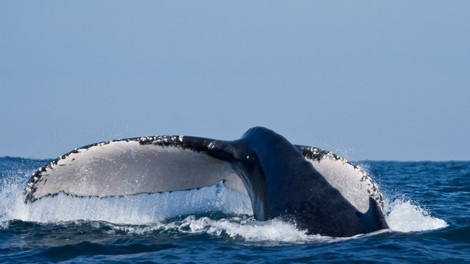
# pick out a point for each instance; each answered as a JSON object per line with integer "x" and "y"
{"x": 123, "y": 168}
{"x": 349, "y": 180}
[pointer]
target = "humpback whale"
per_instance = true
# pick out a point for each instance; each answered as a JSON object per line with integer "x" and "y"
{"x": 315, "y": 189}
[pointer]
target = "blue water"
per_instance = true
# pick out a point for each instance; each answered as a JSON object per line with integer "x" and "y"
{"x": 428, "y": 210}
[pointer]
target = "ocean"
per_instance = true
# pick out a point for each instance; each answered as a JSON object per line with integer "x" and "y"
{"x": 427, "y": 209}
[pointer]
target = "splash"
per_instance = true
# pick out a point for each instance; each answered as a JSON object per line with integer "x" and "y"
{"x": 10, "y": 192}
{"x": 133, "y": 210}
{"x": 404, "y": 216}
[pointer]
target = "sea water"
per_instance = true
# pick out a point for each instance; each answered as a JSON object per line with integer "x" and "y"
{"x": 427, "y": 209}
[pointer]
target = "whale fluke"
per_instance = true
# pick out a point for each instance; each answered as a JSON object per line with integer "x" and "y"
{"x": 318, "y": 190}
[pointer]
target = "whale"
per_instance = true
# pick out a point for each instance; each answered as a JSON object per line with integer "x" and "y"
{"x": 315, "y": 189}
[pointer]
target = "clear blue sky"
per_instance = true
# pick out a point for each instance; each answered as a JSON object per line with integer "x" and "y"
{"x": 367, "y": 79}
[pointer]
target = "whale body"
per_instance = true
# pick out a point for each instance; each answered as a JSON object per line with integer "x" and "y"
{"x": 317, "y": 190}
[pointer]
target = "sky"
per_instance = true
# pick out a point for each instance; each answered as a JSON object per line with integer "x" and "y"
{"x": 369, "y": 80}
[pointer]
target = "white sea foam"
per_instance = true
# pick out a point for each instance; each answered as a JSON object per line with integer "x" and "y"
{"x": 404, "y": 216}
{"x": 244, "y": 228}
{"x": 135, "y": 210}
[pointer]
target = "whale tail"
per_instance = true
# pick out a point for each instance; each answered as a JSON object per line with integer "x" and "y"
{"x": 318, "y": 189}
